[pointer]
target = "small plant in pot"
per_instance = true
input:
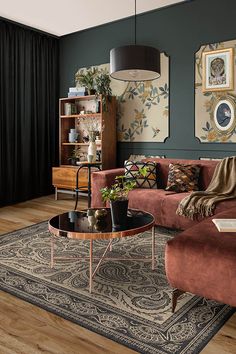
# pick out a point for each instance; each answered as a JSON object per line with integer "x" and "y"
{"x": 117, "y": 195}
{"x": 103, "y": 88}
{"x": 75, "y": 156}
{"x": 86, "y": 78}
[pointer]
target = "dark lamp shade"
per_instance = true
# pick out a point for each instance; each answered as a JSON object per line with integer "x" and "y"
{"x": 135, "y": 63}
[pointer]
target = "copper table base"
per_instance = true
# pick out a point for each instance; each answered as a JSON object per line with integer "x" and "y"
{"x": 91, "y": 258}
{"x": 83, "y": 225}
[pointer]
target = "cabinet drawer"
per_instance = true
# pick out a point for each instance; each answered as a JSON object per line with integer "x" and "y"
{"x": 65, "y": 177}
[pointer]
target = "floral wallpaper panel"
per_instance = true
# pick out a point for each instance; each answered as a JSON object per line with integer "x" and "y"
{"x": 142, "y": 107}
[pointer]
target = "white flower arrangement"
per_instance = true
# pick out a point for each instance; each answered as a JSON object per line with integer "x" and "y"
{"x": 92, "y": 126}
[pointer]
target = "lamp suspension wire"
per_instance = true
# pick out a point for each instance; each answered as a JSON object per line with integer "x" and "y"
{"x": 135, "y": 62}
{"x": 135, "y": 22}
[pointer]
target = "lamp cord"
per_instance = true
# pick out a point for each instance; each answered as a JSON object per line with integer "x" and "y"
{"x": 135, "y": 25}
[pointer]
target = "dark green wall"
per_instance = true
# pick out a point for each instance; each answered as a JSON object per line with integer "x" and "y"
{"x": 179, "y": 31}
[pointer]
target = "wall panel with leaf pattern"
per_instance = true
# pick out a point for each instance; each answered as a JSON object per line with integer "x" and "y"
{"x": 143, "y": 107}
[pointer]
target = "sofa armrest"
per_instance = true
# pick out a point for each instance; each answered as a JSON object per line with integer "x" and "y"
{"x": 100, "y": 180}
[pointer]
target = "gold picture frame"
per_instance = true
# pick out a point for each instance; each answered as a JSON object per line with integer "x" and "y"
{"x": 223, "y": 115}
{"x": 218, "y": 70}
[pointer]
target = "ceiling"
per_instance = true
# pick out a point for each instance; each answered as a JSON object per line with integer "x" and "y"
{"x": 61, "y": 17}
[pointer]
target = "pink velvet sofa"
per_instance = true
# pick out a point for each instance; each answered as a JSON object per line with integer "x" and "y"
{"x": 202, "y": 261}
{"x": 159, "y": 202}
{"x": 199, "y": 260}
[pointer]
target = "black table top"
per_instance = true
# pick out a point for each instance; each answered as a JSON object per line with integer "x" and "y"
{"x": 97, "y": 223}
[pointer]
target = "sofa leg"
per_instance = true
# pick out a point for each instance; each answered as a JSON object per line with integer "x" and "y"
{"x": 175, "y": 295}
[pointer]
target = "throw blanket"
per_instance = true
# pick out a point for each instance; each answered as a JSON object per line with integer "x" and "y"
{"x": 221, "y": 187}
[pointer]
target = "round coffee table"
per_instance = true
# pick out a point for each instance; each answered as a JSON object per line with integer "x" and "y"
{"x": 94, "y": 224}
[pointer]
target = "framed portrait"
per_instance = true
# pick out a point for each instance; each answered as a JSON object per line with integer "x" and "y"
{"x": 223, "y": 115}
{"x": 217, "y": 70}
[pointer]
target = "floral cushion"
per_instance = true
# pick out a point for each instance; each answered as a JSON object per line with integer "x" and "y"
{"x": 133, "y": 171}
{"x": 183, "y": 178}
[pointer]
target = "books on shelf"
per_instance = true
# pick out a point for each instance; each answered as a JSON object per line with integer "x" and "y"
{"x": 77, "y": 91}
{"x": 225, "y": 225}
{"x": 70, "y": 108}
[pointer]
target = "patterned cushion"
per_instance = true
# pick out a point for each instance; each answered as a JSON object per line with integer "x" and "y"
{"x": 183, "y": 178}
{"x": 132, "y": 171}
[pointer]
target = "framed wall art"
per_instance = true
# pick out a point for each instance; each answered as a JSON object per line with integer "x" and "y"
{"x": 217, "y": 70}
{"x": 223, "y": 115}
{"x": 215, "y": 101}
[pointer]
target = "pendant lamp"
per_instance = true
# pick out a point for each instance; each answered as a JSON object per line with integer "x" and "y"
{"x": 135, "y": 62}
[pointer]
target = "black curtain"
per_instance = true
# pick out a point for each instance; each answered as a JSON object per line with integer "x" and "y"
{"x": 28, "y": 112}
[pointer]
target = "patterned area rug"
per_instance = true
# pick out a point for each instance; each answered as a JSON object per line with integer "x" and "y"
{"x": 130, "y": 303}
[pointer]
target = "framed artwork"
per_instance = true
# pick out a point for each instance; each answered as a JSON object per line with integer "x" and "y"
{"x": 223, "y": 115}
{"x": 217, "y": 66}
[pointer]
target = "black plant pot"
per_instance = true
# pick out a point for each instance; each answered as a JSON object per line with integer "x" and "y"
{"x": 91, "y": 91}
{"x": 73, "y": 161}
{"x": 119, "y": 210}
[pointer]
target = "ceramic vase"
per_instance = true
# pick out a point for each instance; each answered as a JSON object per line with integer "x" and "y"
{"x": 92, "y": 149}
{"x": 73, "y": 136}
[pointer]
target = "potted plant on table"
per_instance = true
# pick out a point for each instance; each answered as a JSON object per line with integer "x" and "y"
{"x": 117, "y": 195}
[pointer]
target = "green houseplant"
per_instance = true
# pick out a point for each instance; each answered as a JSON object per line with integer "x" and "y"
{"x": 122, "y": 186}
{"x": 102, "y": 82}
{"x": 86, "y": 78}
{"x": 74, "y": 157}
{"x": 117, "y": 195}
{"x": 96, "y": 83}
{"x": 119, "y": 190}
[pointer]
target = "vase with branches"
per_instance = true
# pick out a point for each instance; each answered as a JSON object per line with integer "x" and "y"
{"x": 92, "y": 127}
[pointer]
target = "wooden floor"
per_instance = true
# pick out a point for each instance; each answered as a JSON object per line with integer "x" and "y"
{"x": 27, "y": 329}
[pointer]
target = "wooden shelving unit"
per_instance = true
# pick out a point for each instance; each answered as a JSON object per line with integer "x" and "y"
{"x": 64, "y": 174}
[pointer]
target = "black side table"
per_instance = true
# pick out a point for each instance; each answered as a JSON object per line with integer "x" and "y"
{"x": 89, "y": 166}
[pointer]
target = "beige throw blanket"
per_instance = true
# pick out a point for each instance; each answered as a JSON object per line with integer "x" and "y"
{"x": 221, "y": 187}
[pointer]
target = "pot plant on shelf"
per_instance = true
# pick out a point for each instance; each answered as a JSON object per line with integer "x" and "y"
{"x": 96, "y": 83}
{"x": 74, "y": 158}
{"x": 117, "y": 195}
{"x": 86, "y": 78}
{"x": 102, "y": 82}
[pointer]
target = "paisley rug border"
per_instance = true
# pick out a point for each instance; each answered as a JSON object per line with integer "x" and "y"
{"x": 213, "y": 328}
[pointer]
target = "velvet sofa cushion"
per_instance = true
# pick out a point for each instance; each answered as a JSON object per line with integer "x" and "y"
{"x": 183, "y": 177}
{"x": 163, "y": 204}
{"x": 149, "y": 200}
{"x": 206, "y": 171}
{"x": 148, "y": 180}
{"x": 201, "y": 260}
